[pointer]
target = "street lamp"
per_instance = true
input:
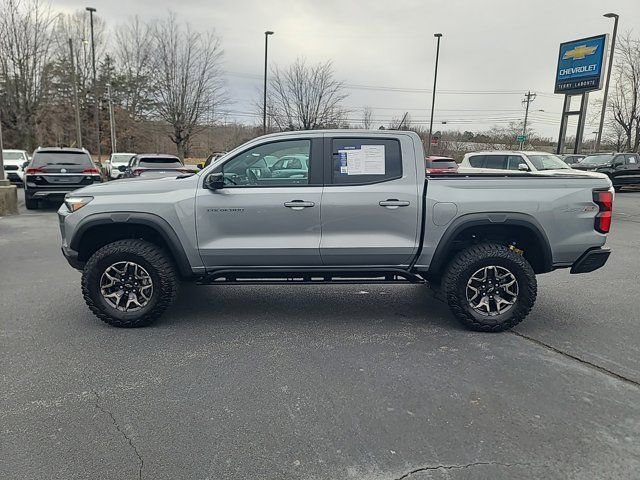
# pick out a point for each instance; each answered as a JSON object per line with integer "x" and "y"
{"x": 91, "y": 10}
{"x": 264, "y": 103}
{"x": 433, "y": 99}
{"x": 615, "y": 17}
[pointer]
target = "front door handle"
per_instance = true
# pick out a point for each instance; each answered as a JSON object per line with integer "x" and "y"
{"x": 298, "y": 204}
{"x": 393, "y": 203}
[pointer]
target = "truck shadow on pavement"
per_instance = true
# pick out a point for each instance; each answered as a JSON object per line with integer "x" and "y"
{"x": 298, "y": 304}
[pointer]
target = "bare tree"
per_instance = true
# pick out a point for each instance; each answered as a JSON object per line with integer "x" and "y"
{"x": 189, "y": 85}
{"x": 367, "y": 113}
{"x": 304, "y": 97}
{"x": 134, "y": 58}
{"x": 625, "y": 99}
{"x": 25, "y": 55}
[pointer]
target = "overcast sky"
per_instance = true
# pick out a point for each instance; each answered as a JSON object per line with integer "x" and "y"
{"x": 384, "y": 50}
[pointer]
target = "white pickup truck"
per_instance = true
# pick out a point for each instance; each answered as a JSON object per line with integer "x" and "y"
{"x": 358, "y": 207}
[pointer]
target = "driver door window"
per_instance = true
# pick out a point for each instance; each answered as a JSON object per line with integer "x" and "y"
{"x": 276, "y": 164}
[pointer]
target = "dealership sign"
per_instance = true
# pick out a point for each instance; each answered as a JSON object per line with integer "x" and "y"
{"x": 581, "y": 65}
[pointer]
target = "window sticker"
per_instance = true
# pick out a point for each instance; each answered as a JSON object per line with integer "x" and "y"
{"x": 368, "y": 160}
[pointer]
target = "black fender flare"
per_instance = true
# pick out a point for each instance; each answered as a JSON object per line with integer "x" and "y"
{"x": 157, "y": 223}
{"x": 441, "y": 254}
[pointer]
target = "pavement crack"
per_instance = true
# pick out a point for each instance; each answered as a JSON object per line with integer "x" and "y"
{"x": 122, "y": 432}
{"x": 464, "y": 466}
{"x": 587, "y": 363}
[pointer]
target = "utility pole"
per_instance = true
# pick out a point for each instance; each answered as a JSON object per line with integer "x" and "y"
{"x": 264, "y": 103}
{"x": 606, "y": 86}
{"x": 433, "y": 98}
{"x": 74, "y": 80}
{"x": 91, "y": 10}
{"x": 112, "y": 121}
{"x": 528, "y": 98}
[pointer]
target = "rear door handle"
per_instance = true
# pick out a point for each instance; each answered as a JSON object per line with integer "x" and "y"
{"x": 298, "y": 204}
{"x": 393, "y": 203}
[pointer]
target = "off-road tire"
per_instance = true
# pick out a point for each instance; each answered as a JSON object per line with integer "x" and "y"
{"x": 30, "y": 203}
{"x": 149, "y": 256}
{"x": 462, "y": 267}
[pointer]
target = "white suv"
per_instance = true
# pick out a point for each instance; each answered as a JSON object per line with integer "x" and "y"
{"x": 13, "y": 161}
{"x": 514, "y": 160}
{"x": 115, "y": 161}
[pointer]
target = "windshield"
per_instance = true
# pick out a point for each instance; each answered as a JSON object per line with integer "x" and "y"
{"x": 597, "y": 160}
{"x": 121, "y": 158}
{"x": 13, "y": 155}
{"x": 547, "y": 162}
{"x": 60, "y": 158}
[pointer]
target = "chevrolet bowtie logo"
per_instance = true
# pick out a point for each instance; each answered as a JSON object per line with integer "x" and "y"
{"x": 579, "y": 52}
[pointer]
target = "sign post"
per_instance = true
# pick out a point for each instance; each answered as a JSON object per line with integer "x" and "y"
{"x": 579, "y": 71}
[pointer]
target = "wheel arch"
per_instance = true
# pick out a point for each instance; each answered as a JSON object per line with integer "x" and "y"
{"x": 98, "y": 230}
{"x": 496, "y": 226}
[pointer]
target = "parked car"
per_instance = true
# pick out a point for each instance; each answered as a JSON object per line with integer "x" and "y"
{"x": 524, "y": 161}
{"x": 55, "y": 171}
{"x": 363, "y": 213}
{"x": 572, "y": 158}
{"x": 622, "y": 168}
{"x": 154, "y": 165}
{"x": 435, "y": 165}
{"x": 116, "y": 160}
{"x": 211, "y": 158}
{"x": 14, "y": 161}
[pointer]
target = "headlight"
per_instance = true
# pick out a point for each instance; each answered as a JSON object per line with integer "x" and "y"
{"x": 75, "y": 203}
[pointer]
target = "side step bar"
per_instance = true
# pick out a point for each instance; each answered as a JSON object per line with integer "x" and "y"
{"x": 283, "y": 277}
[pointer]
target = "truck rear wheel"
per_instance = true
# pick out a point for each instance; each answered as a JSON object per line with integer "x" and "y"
{"x": 489, "y": 287}
{"x": 129, "y": 283}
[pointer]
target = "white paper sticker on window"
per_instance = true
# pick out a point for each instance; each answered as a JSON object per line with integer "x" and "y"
{"x": 373, "y": 159}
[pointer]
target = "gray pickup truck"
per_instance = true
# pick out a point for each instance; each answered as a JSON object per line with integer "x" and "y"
{"x": 356, "y": 207}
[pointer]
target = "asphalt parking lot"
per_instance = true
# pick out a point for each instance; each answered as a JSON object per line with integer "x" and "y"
{"x": 317, "y": 382}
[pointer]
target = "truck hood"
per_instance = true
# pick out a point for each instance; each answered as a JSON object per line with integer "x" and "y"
{"x": 138, "y": 185}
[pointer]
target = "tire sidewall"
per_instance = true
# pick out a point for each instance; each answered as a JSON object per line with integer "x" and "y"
{"x": 104, "y": 262}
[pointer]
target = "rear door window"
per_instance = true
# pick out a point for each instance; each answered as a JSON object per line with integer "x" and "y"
{"x": 495, "y": 161}
{"x": 360, "y": 161}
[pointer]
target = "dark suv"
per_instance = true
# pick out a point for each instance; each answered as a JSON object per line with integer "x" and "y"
{"x": 54, "y": 172}
{"x": 622, "y": 168}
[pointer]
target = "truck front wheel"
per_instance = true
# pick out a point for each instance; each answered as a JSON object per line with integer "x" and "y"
{"x": 489, "y": 287}
{"x": 129, "y": 283}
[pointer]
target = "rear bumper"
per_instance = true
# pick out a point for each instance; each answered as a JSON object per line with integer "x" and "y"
{"x": 591, "y": 260}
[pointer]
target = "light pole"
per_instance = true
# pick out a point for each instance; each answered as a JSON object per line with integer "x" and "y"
{"x": 91, "y": 10}
{"x": 2, "y": 181}
{"x": 615, "y": 17}
{"x": 264, "y": 102}
{"x": 112, "y": 120}
{"x": 433, "y": 99}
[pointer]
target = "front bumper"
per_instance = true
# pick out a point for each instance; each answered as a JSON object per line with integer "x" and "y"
{"x": 70, "y": 254}
{"x": 591, "y": 260}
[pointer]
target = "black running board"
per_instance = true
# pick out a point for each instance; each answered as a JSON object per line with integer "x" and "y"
{"x": 284, "y": 277}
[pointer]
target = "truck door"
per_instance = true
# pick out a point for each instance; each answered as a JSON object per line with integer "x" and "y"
{"x": 258, "y": 218}
{"x": 371, "y": 200}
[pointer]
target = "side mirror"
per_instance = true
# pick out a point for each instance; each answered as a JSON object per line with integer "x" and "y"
{"x": 214, "y": 181}
{"x": 200, "y": 165}
{"x": 523, "y": 167}
{"x": 25, "y": 165}
{"x": 122, "y": 168}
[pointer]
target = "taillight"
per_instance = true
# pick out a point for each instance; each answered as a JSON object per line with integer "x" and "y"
{"x": 604, "y": 200}
{"x": 441, "y": 170}
{"x": 34, "y": 170}
{"x": 92, "y": 171}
